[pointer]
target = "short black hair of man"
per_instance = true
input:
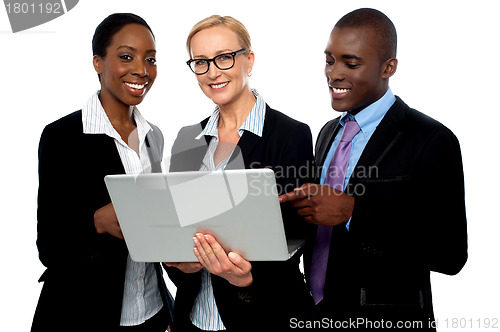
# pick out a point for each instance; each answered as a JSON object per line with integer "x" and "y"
{"x": 379, "y": 22}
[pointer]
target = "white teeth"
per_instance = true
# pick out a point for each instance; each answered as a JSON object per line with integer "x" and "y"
{"x": 218, "y": 86}
{"x": 136, "y": 86}
{"x": 339, "y": 90}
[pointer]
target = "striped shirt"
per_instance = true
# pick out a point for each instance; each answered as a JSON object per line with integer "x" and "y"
{"x": 205, "y": 314}
{"x": 141, "y": 295}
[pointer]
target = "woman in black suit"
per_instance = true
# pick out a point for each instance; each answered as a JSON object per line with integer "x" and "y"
{"x": 223, "y": 291}
{"x": 90, "y": 283}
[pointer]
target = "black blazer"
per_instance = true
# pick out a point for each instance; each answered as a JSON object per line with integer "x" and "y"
{"x": 408, "y": 219}
{"x": 84, "y": 279}
{"x": 278, "y": 291}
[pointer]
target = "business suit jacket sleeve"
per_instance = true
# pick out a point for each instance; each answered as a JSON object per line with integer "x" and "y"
{"x": 443, "y": 203}
{"x": 82, "y": 266}
{"x": 413, "y": 209}
{"x": 85, "y": 271}
{"x": 279, "y": 289}
{"x": 71, "y": 188}
{"x": 297, "y": 170}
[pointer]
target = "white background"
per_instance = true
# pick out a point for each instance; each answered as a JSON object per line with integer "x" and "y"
{"x": 448, "y": 68}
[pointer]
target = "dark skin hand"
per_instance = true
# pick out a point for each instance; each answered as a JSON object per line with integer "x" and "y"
{"x": 320, "y": 204}
{"x": 105, "y": 221}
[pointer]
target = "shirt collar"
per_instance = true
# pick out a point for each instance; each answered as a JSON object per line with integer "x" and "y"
{"x": 253, "y": 123}
{"x": 96, "y": 121}
{"x": 369, "y": 118}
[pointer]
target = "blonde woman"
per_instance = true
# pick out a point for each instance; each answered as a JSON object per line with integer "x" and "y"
{"x": 223, "y": 291}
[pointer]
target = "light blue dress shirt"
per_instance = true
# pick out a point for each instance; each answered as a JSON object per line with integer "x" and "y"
{"x": 368, "y": 119}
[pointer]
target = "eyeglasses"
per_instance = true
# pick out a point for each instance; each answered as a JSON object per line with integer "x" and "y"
{"x": 222, "y": 61}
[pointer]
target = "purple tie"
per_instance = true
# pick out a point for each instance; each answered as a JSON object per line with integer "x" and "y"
{"x": 335, "y": 177}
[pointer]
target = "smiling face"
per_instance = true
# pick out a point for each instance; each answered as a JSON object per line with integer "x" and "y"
{"x": 356, "y": 75}
{"x": 128, "y": 69}
{"x": 223, "y": 87}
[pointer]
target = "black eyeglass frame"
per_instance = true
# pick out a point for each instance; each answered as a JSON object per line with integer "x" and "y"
{"x": 233, "y": 54}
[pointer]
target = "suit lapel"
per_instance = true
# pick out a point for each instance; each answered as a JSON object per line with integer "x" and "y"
{"x": 245, "y": 146}
{"x": 153, "y": 153}
{"x": 248, "y": 142}
{"x": 388, "y": 133}
{"x": 325, "y": 141}
{"x": 102, "y": 147}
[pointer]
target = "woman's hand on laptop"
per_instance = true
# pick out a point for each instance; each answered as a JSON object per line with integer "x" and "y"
{"x": 106, "y": 222}
{"x": 186, "y": 267}
{"x": 231, "y": 267}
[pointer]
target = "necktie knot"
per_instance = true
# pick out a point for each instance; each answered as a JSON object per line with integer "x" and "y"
{"x": 351, "y": 128}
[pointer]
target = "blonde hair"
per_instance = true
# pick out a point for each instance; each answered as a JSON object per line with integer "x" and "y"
{"x": 226, "y": 21}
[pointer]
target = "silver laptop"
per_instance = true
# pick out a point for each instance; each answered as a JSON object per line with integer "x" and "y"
{"x": 160, "y": 213}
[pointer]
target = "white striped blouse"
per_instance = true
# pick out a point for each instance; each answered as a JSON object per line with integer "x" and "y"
{"x": 141, "y": 295}
{"x": 205, "y": 314}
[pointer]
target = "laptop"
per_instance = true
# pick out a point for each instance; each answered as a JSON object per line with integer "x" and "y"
{"x": 160, "y": 213}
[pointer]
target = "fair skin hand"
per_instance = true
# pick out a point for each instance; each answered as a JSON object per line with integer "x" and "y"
{"x": 106, "y": 222}
{"x": 320, "y": 204}
{"x": 212, "y": 257}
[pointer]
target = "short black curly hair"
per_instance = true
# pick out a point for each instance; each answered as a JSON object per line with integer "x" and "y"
{"x": 379, "y": 22}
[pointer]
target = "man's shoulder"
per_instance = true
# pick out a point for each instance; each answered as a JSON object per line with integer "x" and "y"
{"x": 416, "y": 120}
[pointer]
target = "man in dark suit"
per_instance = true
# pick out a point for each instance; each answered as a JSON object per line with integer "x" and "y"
{"x": 399, "y": 211}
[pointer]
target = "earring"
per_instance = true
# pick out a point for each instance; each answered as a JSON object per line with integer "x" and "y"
{"x": 249, "y": 74}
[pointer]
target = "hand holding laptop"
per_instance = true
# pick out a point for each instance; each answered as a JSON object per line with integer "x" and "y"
{"x": 186, "y": 267}
{"x": 160, "y": 213}
{"x": 231, "y": 267}
{"x": 211, "y": 256}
